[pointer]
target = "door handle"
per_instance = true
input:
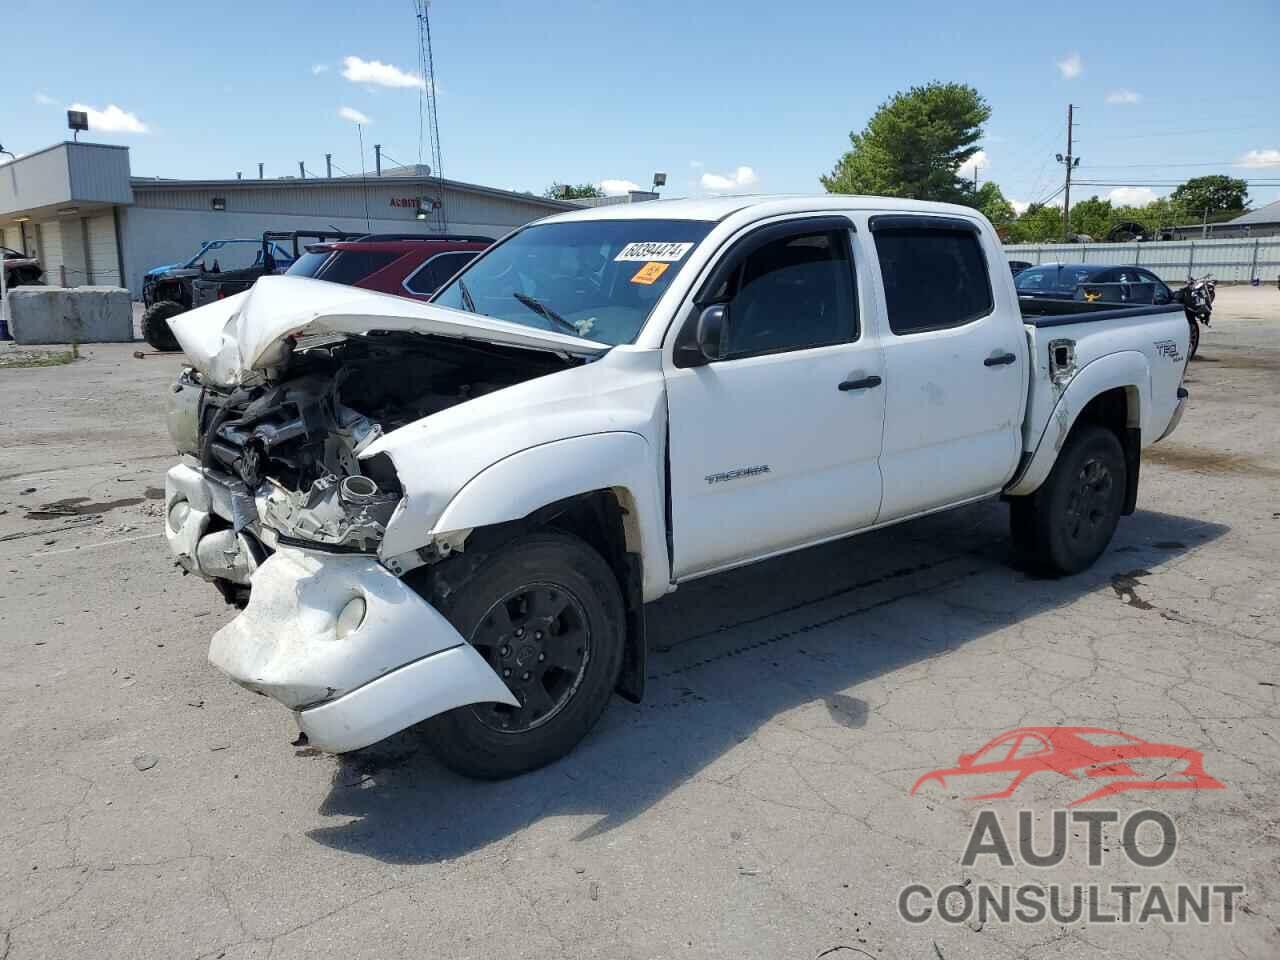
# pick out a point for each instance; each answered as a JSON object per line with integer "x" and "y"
{"x": 999, "y": 360}
{"x": 863, "y": 384}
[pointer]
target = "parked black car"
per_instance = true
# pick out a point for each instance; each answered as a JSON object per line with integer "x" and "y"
{"x": 1093, "y": 281}
{"x": 221, "y": 268}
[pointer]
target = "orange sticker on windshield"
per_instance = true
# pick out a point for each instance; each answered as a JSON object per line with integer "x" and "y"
{"x": 650, "y": 272}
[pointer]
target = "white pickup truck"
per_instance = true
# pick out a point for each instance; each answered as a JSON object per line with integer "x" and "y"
{"x": 455, "y": 512}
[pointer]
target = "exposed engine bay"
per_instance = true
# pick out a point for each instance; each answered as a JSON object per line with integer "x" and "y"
{"x": 288, "y": 446}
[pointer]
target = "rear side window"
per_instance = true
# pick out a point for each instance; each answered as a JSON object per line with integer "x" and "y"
{"x": 933, "y": 279}
{"x": 309, "y": 264}
{"x": 351, "y": 266}
{"x": 433, "y": 274}
{"x": 793, "y": 294}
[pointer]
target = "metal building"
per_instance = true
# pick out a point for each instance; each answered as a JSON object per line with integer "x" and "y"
{"x": 76, "y": 207}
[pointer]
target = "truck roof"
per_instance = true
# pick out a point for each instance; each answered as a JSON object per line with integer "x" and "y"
{"x": 718, "y": 208}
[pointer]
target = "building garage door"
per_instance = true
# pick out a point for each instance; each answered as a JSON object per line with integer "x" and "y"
{"x": 49, "y": 242}
{"x": 11, "y": 238}
{"x": 104, "y": 255}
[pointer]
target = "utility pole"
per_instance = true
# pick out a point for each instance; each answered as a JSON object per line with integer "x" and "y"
{"x": 302, "y": 170}
{"x": 259, "y": 171}
{"x": 1071, "y": 162}
{"x": 328, "y": 166}
{"x": 377, "y": 159}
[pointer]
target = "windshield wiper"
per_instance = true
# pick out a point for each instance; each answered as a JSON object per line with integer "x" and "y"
{"x": 544, "y": 311}
{"x": 467, "y": 303}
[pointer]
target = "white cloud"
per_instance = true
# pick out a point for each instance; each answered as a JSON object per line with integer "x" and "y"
{"x": 112, "y": 119}
{"x": 319, "y": 68}
{"x": 742, "y": 177}
{"x": 354, "y": 115}
{"x": 615, "y": 188}
{"x": 1070, "y": 66}
{"x": 1019, "y": 206}
{"x": 379, "y": 74}
{"x": 1131, "y": 196}
{"x": 977, "y": 161}
{"x": 1259, "y": 158}
{"x": 1124, "y": 97}
{"x": 43, "y": 99}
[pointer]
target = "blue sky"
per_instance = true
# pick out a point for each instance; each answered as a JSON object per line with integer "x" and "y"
{"x": 741, "y": 96}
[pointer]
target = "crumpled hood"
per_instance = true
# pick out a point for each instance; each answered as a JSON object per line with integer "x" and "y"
{"x": 231, "y": 339}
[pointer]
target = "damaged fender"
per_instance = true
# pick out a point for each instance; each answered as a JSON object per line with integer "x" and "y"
{"x": 351, "y": 648}
{"x": 520, "y": 484}
{"x": 1126, "y": 369}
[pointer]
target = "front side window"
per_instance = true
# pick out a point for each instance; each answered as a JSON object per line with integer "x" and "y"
{"x": 596, "y": 279}
{"x": 432, "y": 275}
{"x": 793, "y": 294}
{"x": 933, "y": 278}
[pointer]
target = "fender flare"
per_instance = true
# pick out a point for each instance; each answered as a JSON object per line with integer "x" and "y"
{"x": 622, "y": 461}
{"x": 1126, "y": 369}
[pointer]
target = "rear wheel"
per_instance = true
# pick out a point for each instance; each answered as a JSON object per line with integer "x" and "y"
{"x": 155, "y": 329}
{"x": 1065, "y": 526}
{"x": 1195, "y": 338}
{"x": 546, "y": 613}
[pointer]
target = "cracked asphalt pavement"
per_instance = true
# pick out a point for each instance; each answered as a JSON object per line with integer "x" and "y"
{"x": 757, "y": 804}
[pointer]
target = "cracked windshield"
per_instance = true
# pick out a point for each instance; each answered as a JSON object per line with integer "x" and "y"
{"x": 597, "y": 280}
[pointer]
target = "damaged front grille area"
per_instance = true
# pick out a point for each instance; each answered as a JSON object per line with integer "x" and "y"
{"x": 294, "y": 444}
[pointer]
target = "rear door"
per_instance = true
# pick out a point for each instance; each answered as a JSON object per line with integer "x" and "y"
{"x": 776, "y": 445}
{"x": 955, "y": 361}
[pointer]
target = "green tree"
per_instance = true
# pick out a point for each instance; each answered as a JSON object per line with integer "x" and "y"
{"x": 1038, "y": 223}
{"x": 1215, "y": 193}
{"x": 991, "y": 202}
{"x": 913, "y": 145}
{"x": 567, "y": 191}
{"x": 1092, "y": 217}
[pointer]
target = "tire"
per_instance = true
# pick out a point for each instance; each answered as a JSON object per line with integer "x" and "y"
{"x": 1194, "y": 344}
{"x": 1066, "y": 525}
{"x": 154, "y": 328}
{"x": 558, "y": 582}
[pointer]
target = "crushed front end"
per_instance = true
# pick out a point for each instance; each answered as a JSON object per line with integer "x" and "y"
{"x": 276, "y": 506}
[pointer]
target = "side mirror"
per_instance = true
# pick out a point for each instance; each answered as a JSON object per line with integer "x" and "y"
{"x": 713, "y": 332}
{"x": 704, "y": 338}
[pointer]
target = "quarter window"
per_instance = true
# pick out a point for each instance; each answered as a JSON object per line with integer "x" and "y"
{"x": 792, "y": 294}
{"x": 933, "y": 279}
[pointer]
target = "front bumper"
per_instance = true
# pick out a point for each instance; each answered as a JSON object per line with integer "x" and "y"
{"x": 398, "y": 663}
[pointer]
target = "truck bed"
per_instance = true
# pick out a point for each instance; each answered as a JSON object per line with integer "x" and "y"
{"x": 1048, "y": 312}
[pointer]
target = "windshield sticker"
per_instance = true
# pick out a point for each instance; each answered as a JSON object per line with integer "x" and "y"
{"x": 650, "y": 272}
{"x": 652, "y": 250}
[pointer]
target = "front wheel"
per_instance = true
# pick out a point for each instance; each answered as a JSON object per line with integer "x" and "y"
{"x": 155, "y": 325}
{"x": 1194, "y": 343}
{"x": 1065, "y": 526}
{"x": 546, "y": 613}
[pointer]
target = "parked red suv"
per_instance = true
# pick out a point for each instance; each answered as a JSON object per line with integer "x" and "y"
{"x": 408, "y": 265}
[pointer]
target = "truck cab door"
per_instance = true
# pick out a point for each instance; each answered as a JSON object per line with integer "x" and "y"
{"x": 956, "y": 364}
{"x": 774, "y": 441}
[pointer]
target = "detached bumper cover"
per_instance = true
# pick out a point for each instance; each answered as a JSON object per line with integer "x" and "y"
{"x": 403, "y": 663}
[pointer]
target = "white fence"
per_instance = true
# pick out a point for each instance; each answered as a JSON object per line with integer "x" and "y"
{"x": 1230, "y": 261}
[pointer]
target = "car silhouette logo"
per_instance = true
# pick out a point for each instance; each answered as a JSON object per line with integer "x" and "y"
{"x": 1079, "y": 753}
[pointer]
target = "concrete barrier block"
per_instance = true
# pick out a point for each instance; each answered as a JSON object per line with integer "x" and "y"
{"x": 70, "y": 314}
